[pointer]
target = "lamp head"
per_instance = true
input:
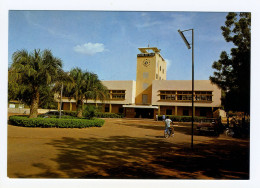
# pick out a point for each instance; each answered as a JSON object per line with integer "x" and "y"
{"x": 184, "y": 39}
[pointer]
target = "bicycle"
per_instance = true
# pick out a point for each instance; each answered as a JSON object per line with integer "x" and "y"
{"x": 169, "y": 133}
{"x": 229, "y": 132}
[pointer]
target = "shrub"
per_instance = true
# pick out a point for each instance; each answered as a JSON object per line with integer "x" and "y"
{"x": 109, "y": 115}
{"x": 53, "y": 122}
{"x": 57, "y": 116}
{"x": 90, "y": 111}
{"x": 182, "y": 118}
{"x": 70, "y": 113}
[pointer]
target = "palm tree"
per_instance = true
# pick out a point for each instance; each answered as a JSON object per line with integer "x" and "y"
{"x": 34, "y": 71}
{"x": 85, "y": 86}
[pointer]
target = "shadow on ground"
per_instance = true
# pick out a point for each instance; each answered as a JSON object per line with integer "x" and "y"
{"x": 124, "y": 157}
{"x": 184, "y": 128}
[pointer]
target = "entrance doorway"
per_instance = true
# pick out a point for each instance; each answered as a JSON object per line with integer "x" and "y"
{"x": 144, "y": 113}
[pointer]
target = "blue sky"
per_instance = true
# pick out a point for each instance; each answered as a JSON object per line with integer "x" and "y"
{"x": 106, "y": 42}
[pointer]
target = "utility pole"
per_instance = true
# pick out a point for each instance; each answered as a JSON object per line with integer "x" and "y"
{"x": 192, "y": 100}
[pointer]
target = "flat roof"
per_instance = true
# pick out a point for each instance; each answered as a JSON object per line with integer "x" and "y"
{"x": 139, "y": 106}
{"x": 144, "y": 50}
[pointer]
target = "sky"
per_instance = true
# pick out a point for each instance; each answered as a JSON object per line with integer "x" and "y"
{"x": 107, "y": 42}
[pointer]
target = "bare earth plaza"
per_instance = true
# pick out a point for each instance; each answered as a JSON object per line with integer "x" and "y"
{"x": 124, "y": 148}
{"x": 71, "y": 122}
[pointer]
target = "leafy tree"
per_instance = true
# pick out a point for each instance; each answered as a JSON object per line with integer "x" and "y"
{"x": 23, "y": 93}
{"x": 84, "y": 86}
{"x": 232, "y": 72}
{"x": 47, "y": 100}
{"x": 32, "y": 74}
{"x": 90, "y": 111}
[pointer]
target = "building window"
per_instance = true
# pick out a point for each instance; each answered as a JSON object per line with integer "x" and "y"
{"x": 203, "y": 112}
{"x": 163, "y": 71}
{"x": 203, "y": 96}
{"x": 168, "y": 111}
{"x": 160, "y": 68}
{"x": 145, "y": 98}
{"x": 117, "y": 94}
{"x": 145, "y": 85}
{"x": 186, "y": 112}
{"x": 121, "y": 110}
{"x": 186, "y": 96}
{"x": 156, "y": 76}
{"x": 145, "y": 75}
{"x": 106, "y": 108}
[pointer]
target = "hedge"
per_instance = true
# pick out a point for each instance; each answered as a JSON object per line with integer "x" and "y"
{"x": 109, "y": 115}
{"x": 55, "y": 116}
{"x": 97, "y": 114}
{"x": 53, "y": 122}
{"x": 182, "y": 118}
{"x": 70, "y": 113}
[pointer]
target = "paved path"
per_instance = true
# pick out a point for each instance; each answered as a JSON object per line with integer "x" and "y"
{"x": 124, "y": 148}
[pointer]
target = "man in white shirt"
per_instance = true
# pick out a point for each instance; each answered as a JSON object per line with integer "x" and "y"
{"x": 168, "y": 122}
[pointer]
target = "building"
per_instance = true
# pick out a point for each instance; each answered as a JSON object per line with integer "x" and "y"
{"x": 152, "y": 94}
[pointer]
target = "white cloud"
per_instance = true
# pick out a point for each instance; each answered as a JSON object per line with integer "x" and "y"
{"x": 168, "y": 63}
{"x": 89, "y": 48}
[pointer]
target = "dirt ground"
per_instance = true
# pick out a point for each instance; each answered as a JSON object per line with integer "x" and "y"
{"x": 124, "y": 149}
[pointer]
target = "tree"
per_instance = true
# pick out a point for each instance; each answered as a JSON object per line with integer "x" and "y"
{"x": 33, "y": 73}
{"x": 232, "y": 73}
{"x": 85, "y": 86}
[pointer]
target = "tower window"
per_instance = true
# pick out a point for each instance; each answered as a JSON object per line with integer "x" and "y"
{"x": 160, "y": 68}
{"x": 145, "y": 75}
{"x": 145, "y": 85}
{"x": 156, "y": 76}
{"x": 145, "y": 98}
{"x": 163, "y": 71}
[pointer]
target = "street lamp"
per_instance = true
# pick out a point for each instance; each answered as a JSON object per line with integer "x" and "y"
{"x": 188, "y": 46}
{"x": 61, "y": 98}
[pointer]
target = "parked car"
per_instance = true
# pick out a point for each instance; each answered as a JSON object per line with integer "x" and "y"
{"x": 209, "y": 125}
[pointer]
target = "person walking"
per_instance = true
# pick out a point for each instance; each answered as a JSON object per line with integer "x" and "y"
{"x": 163, "y": 117}
{"x": 168, "y": 122}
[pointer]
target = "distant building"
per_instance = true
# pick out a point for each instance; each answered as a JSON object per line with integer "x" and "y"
{"x": 15, "y": 104}
{"x": 151, "y": 94}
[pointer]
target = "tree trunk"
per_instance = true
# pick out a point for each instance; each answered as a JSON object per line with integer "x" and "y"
{"x": 79, "y": 108}
{"x": 34, "y": 104}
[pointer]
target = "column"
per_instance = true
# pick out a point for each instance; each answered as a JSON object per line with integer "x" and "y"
{"x": 159, "y": 111}
{"x": 70, "y": 106}
{"x": 176, "y": 111}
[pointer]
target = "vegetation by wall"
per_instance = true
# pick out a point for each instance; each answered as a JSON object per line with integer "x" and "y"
{"x": 182, "y": 118}
{"x": 24, "y": 121}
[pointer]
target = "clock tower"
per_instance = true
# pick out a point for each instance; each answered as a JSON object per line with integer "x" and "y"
{"x": 150, "y": 66}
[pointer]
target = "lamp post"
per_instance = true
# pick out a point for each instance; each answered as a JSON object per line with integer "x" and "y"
{"x": 192, "y": 100}
{"x": 61, "y": 99}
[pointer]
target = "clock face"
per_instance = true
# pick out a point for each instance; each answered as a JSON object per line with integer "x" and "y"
{"x": 146, "y": 63}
